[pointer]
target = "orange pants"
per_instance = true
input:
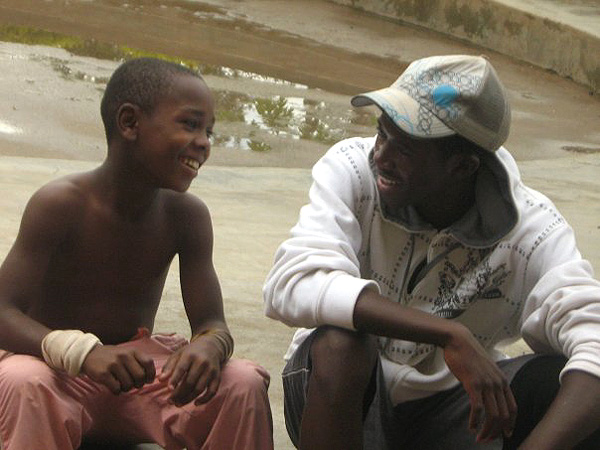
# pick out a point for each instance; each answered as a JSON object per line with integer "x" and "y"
{"x": 41, "y": 408}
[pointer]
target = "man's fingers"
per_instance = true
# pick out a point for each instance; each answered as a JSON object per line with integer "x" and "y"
{"x": 476, "y": 411}
{"x": 511, "y": 405}
{"x": 505, "y": 419}
{"x": 492, "y": 425}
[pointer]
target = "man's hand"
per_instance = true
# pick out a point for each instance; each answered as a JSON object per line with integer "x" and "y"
{"x": 119, "y": 369}
{"x": 488, "y": 389}
{"x": 194, "y": 372}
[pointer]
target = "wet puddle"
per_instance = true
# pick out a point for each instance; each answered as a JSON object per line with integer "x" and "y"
{"x": 7, "y": 128}
{"x": 257, "y": 114}
{"x": 282, "y": 98}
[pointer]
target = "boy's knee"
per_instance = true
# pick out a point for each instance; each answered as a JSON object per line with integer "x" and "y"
{"x": 243, "y": 377}
{"x": 23, "y": 372}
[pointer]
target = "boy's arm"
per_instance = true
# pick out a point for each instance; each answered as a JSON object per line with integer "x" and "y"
{"x": 194, "y": 371}
{"x": 44, "y": 225}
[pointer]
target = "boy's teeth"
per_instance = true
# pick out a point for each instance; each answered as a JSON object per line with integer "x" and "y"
{"x": 191, "y": 163}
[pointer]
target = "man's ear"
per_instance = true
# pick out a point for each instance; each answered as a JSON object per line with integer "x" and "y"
{"x": 128, "y": 116}
{"x": 463, "y": 165}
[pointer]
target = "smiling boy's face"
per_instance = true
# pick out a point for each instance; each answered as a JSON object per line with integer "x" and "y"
{"x": 174, "y": 138}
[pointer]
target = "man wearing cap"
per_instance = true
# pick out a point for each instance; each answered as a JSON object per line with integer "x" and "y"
{"x": 420, "y": 251}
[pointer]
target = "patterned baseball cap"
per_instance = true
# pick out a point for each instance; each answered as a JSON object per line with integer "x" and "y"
{"x": 445, "y": 95}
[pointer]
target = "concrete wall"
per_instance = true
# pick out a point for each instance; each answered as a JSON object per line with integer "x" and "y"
{"x": 502, "y": 27}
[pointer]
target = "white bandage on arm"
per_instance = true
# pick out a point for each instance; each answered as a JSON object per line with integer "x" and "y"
{"x": 67, "y": 349}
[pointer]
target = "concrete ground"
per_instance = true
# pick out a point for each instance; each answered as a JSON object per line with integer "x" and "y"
{"x": 555, "y": 137}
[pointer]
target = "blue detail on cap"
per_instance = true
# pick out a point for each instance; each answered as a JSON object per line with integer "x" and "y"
{"x": 444, "y": 95}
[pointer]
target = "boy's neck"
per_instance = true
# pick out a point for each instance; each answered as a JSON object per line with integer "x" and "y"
{"x": 129, "y": 196}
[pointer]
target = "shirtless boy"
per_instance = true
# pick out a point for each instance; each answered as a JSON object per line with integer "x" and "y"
{"x": 80, "y": 288}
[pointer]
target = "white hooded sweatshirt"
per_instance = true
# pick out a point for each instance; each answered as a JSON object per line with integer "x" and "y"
{"x": 509, "y": 268}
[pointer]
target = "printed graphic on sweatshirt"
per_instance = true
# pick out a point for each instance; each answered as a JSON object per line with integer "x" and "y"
{"x": 462, "y": 284}
{"x": 464, "y": 276}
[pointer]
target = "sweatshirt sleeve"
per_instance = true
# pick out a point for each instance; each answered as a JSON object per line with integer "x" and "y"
{"x": 315, "y": 279}
{"x": 562, "y": 311}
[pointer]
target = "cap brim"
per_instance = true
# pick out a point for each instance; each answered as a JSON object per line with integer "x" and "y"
{"x": 405, "y": 112}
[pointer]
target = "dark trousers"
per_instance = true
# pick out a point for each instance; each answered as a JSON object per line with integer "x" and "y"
{"x": 439, "y": 421}
{"x": 535, "y": 386}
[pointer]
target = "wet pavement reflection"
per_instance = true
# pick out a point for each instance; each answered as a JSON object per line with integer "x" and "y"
{"x": 282, "y": 78}
{"x": 247, "y": 119}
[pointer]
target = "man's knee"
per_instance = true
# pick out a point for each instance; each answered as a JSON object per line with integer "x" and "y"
{"x": 342, "y": 359}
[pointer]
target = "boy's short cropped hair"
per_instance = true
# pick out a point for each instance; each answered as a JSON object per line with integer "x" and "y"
{"x": 141, "y": 82}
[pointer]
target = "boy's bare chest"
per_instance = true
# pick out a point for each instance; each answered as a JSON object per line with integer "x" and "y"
{"x": 118, "y": 251}
{"x": 108, "y": 275}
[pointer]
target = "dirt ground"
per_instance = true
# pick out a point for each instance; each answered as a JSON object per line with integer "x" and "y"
{"x": 310, "y": 52}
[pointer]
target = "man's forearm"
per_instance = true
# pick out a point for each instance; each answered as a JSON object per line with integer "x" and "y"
{"x": 374, "y": 314}
{"x": 573, "y": 415}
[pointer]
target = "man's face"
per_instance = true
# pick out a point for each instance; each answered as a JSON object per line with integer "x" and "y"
{"x": 175, "y": 136}
{"x": 408, "y": 171}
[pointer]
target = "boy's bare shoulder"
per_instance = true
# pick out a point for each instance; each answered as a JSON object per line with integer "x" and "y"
{"x": 52, "y": 212}
{"x": 184, "y": 204}
{"x": 64, "y": 195}
{"x": 189, "y": 214}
